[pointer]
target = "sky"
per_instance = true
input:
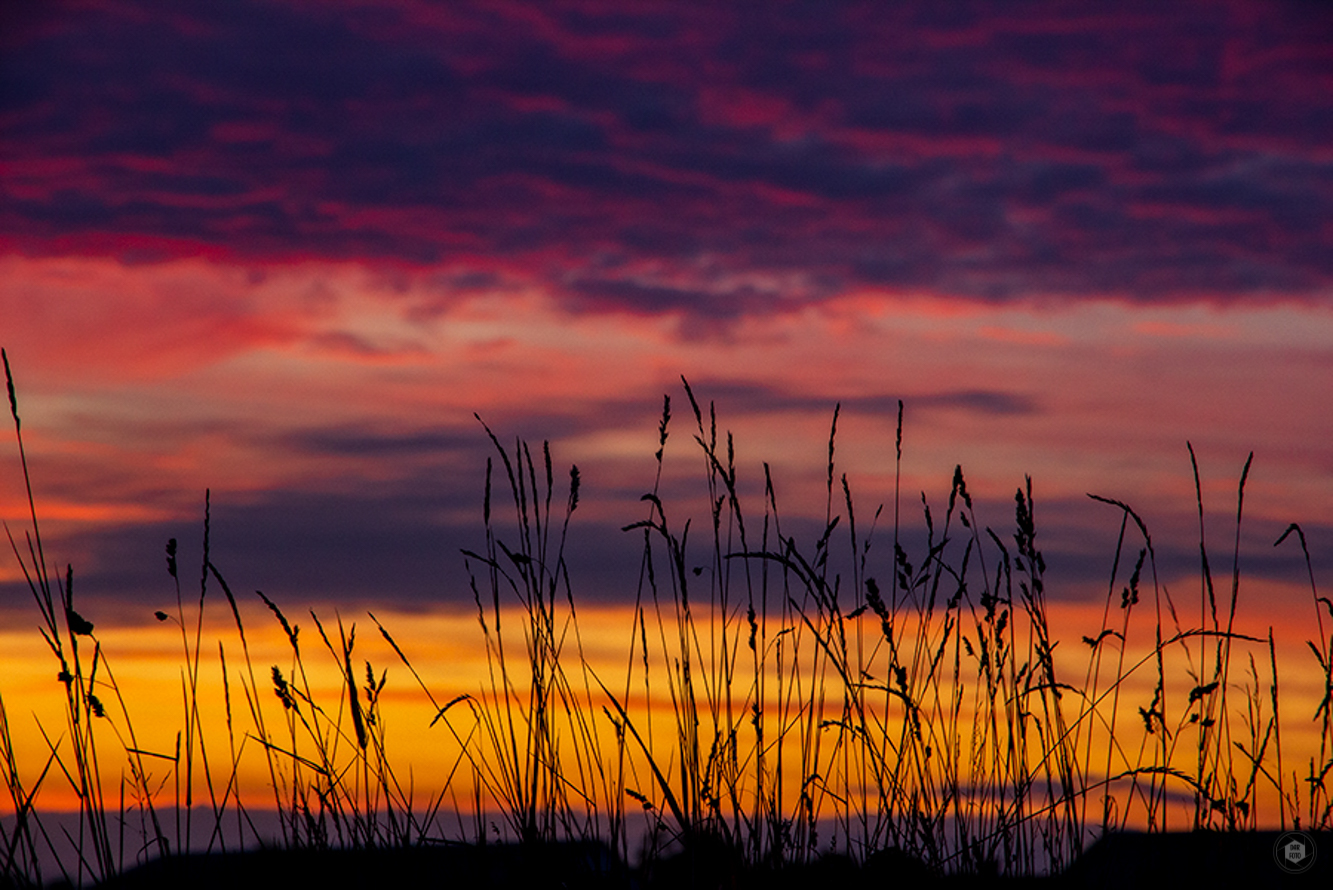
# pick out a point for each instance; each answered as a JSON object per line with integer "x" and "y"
{"x": 284, "y": 251}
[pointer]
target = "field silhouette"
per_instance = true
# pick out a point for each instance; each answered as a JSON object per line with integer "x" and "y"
{"x": 786, "y": 713}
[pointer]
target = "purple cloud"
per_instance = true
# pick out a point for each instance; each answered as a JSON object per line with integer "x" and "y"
{"x": 981, "y": 150}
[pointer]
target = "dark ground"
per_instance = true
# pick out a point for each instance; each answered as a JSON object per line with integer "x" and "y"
{"x": 1172, "y": 860}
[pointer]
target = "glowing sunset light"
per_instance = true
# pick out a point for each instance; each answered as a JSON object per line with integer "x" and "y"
{"x": 289, "y": 254}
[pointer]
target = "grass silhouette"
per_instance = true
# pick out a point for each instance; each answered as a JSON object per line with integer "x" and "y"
{"x": 778, "y": 702}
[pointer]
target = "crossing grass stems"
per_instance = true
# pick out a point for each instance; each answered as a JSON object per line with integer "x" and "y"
{"x": 780, "y": 699}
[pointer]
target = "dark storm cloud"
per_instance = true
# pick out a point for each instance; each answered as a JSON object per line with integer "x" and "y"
{"x": 636, "y": 159}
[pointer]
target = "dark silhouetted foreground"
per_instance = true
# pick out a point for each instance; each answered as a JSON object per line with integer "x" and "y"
{"x": 1124, "y": 860}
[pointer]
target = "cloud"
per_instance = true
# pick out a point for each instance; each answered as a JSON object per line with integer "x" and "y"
{"x": 356, "y": 442}
{"x": 762, "y": 399}
{"x": 68, "y": 316}
{"x": 285, "y": 249}
{"x": 989, "y": 152}
{"x": 398, "y": 546}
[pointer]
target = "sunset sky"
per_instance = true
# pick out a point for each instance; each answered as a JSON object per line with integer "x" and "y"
{"x": 284, "y": 250}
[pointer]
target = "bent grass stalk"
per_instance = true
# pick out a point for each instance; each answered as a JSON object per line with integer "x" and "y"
{"x": 773, "y": 701}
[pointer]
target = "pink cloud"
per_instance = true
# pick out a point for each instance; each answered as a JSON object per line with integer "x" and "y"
{"x": 71, "y": 317}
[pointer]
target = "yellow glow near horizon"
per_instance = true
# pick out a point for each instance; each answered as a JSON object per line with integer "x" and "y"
{"x": 447, "y": 651}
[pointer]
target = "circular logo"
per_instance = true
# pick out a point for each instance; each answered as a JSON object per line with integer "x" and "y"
{"x": 1294, "y": 852}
